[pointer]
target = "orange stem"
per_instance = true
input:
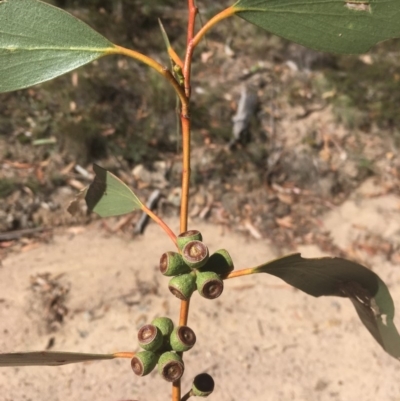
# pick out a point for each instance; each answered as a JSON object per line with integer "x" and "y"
{"x": 161, "y": 223}
{"x": 184, "y": 314}
{"x": 129, "y": 355}
{"x": 176, "y": 390}
{"x": 187, "y": 66}
{"x": 185, "y": 123}
{"x": 153, "y": 64}
{"x": 240, "y": 273}
{"x": 172, "y": 54}
{"x": 228, "y": 12}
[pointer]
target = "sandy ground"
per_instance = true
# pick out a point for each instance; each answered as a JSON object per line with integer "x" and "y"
{"x": 261, "y": 340}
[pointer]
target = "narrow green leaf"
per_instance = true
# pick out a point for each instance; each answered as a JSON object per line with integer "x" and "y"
{"x": 343, "y": 278}
{"x": 109, "y": 196}
{"x": 164, "y": 35}
{"x": 39, "y": 42}
{"x": 46, "y": 358}
{"x": 337, "y": 26}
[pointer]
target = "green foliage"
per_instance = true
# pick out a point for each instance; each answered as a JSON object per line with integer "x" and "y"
{"x": 39, "y": 42}
{"x": 335, "y": 26}
{"x": 343, "y": 278}
{"x": 46, "y": 358}
{"x": 109, "y": 196}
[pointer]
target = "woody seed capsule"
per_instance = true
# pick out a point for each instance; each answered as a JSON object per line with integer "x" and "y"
{"x": 183, "y": 286}
{"x": 170, "y": 366}
{"x": 187, "y": 236}
{"x": 182, "y": 339}
{"x": 203, "y": 385}
{"x": 166, "y": 326}
{"x": 150, "y": 337}
{"x": 209, "y": 285}
{"x": 195, "y": 254}
{"x": 172, "y": 264}
{"x": 219, "y": 262}
{"x": 144, "y": 362}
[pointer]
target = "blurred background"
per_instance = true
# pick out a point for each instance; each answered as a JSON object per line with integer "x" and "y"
{"x": 293, "y": 151}
{"x": 316, "y": 127}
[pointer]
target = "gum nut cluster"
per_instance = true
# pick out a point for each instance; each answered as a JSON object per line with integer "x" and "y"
{"x": 194, "y": 268}
{"x": 161, "y": 343}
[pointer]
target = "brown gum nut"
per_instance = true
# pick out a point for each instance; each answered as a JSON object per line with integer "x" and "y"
{"x": 187, "y": 236}
{"x": 172, "y": 264}
{"x": 195, "y": 254}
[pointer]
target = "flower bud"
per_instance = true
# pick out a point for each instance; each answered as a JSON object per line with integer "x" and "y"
{"x": 183, "y": 286}
{"x": 203, "y": 385}
{"x": 150, "y": 337}
{"x": 170, "y": 366}
{"x": 187, "y": 236}
{"x": 209, "y": 285}
{"x": 195, "y": 254}
{"x": 219, "y": 262}
{"x": 172, "y": 264}
{"x": 182, "y": 339}
{"x": 144, "y": 362}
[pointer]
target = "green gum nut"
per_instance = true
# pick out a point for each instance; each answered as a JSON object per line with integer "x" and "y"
{"x": 182, "y": 339}
{"x": 150, "y": 337}
{"x": 172, "y": 264}
{"x": 187, "y": 236}
{"x": 203, "y": 385}
{"x": 183, "y": 286}
{"x": 195, "y": 254}
{"x": 209, "y": 285}
{"x": 144, "y": 362}
{"x": 170, "y": 366}
{"x": 166, "y": 326}
{"x": 219, "y": 262}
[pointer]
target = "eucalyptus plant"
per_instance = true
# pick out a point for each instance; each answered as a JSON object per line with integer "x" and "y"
{"x": 39, "y": 42}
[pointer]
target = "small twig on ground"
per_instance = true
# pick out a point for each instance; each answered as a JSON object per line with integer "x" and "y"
{"x": 17, "y": 234}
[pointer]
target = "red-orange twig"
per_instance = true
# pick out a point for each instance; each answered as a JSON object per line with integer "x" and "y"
{"x": 172, "y": 54}
{"x": 161, "y": 223}
{"x": 228, "y": 12}
{"x": 184, "y": 314}
{"x": 185, "y": 124}
{"x": 187, "y": 66}
{"x": 239, "y": 273}
{"x": 129, "y": 355}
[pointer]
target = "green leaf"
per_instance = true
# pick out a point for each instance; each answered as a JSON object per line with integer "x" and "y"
{"x": 109, "y": 196}
{"x": 337, "y": 26}
{"x": 39, "y": 42}
{"x": 45, "y": 358}
{"x": 343, "y": 278}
